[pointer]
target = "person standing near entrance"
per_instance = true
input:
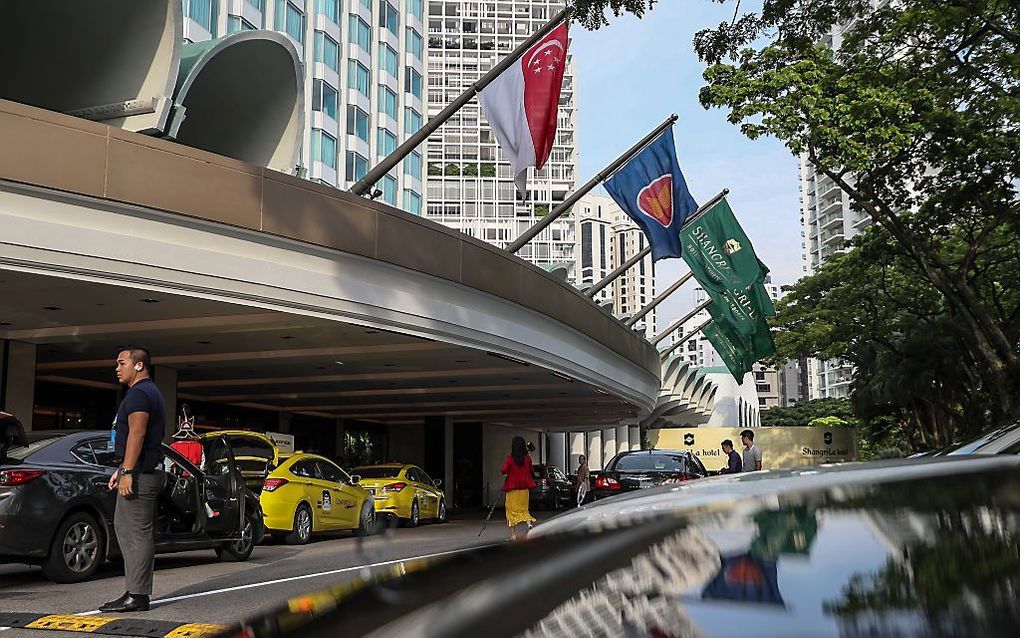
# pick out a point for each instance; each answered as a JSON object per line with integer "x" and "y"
{"x": 734, "y": 463}
{"x": 752, "y": 454}
{"x": 583, "y": 476}
{"x": 518, "y": 482}
{"x": 137, "y": 438}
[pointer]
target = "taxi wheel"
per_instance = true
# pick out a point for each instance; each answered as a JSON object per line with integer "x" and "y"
{"x": 441, "y": 518}
{"x": 366, "y": 523}
{"x": 415, "y": 515}
{"x": 301, "y": 533}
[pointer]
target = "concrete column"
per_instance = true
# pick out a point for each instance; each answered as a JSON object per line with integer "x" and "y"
{"x": 340, "y": 443}
{"x": 608, "y": 445}
{"x": 283, "y": 422}
{"x": 634, "y": 436}
{"x": 558, "y": 450}
{"x": 595, "y": 449}
{"x": 576, "y": 440}
{"x": 17, "y": 380}
{"x": 165, "y": 379}
{"x": 622, "y": 439}
{"x": 448, "y": 460}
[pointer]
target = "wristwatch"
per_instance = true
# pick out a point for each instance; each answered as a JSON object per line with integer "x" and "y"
{"x": 126, "y": 471}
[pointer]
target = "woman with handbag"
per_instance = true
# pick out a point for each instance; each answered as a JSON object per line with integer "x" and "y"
{"x": 518, "y": 482}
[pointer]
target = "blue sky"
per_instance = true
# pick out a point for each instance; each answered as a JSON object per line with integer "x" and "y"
{"x": 630, "y": 76}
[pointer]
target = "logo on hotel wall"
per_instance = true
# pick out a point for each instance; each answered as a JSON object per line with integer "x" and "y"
{"x": 827, "y": 437}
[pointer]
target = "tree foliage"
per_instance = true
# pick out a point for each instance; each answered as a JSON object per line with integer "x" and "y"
{"x": 592, "y": 13}
{"x": 912, "y": 108}
{"x": 804, "y": 413}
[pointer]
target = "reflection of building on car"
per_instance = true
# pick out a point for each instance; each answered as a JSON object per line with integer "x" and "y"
{"x": 553, "y": 490}
{"x": 308, "y": 493}
{"x": 404, "y": 491}
{"x": 56, "y": 509}
{"x": 641, "y": 469}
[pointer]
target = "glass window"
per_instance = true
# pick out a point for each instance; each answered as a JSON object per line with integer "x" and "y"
{"x": 324, "y": 148}
{"x": 412, "y": 82}
{"x": 388, "y": 101}
{"x": 388, "y": 16}
{"x": 306, "y": 468}
{"x": 330, "y": 9}
{"x": 97, "y": 452}
{"x": 359, "y": 32}
{"x": 366, "y": 3}
{"x": 357, "y": 122}
{"x": 324, "y": 98}
{"x": 386, "y": 142}
{"x": 389, "y": 189}
{"x": 586, "y": 246}
{"x": 414, "y": 43}
{"x": 358, "y": 77}
{"x": 290, "y": 20}
{"x": 423, "y": 477}
{"x": 645, "y": 462}
{"x": 203, "y": 12}
{"x": 412, "y": 202}
{"x": 415, "y": 7}
{"x": 332, "y": 473}
{"x": 327, "y": 51}
{"x": 412, "y": 165}
{"x": 236, "y": 23}
{"x": 357, "y": 166}
{"x": 258, "y": 4}
{"x": 412, "y": 121}
{"x": 388, "y": 60}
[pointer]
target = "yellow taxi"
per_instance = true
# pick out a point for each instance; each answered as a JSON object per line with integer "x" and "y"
{"x": 308, "y": 493}
{"x": 404, "y": 491}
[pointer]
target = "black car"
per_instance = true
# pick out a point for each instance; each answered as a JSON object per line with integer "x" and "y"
{"x": 642, "y": 469}
{"x": 553, "y": 490}
{"x": 891, "y": 548}
{"x": 57, "y": 511}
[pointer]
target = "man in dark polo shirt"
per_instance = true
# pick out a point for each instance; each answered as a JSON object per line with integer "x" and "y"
{"x": 137, "y": 438}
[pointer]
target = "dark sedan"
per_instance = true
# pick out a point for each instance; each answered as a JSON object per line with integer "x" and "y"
{"x": 56, "y": 509}
{"x": 553, "y": 490}
{"x": 641, "y": 469}
{"x": 902, "y": 548}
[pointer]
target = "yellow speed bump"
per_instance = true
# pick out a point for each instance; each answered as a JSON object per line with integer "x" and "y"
{"x": 195, "y": 630}
{"x": 67, "y": 622}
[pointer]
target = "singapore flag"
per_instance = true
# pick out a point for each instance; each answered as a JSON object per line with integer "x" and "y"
{"x": 522, "y": 103}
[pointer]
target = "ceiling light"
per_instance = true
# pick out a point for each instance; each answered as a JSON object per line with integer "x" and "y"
{"x": 461, "y": 361}
{"x": 601, "y": 391}
{"x": 287, "y": 337}
{"x": 562, "y": 376}
{"x": 52, "y": 308}
{"x": 150, "y": 300}
{"x": 371, "y": 332}
{"x": 5, "y": 323}
{"x": 204, "y": 343}
{"x": 339, "y": 363}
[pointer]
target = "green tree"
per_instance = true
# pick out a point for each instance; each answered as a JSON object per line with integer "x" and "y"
{"x": 592, "y": 13}
{"x": 916, "y": 118}
{"x": 805, "y": 413}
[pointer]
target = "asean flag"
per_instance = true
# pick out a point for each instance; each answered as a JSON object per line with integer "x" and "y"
{"x": 523, "y": 102}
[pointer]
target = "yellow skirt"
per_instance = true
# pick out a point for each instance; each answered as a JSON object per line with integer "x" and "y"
{"x": 517, "y": 508}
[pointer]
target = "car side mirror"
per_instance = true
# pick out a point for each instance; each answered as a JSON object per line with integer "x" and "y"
{"x": 355, "y": 479}
{"x": 438, "y": 482}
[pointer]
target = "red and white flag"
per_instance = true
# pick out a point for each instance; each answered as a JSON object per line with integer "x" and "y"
{"x": 522, "y": 104}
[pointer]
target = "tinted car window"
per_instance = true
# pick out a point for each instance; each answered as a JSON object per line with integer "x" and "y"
{"x": 330, "y": 472}
{"x": 423, "y": 477}
{"x": 697, "y": 466}
{"x": 377, "y": 472}
{"x": 97, "y": 452}
{"x": 538, "y": 471}
{"x": 413, "y": 475}
{"x": 650, "y": 462}
{"x": 307, "y": 469}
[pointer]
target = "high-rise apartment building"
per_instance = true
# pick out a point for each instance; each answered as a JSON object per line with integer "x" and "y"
{"x": 469, "y": 183}
{"x": 829, "y": 225}
{"x": 606, "y": 238}
{"x": 364, "y": 66}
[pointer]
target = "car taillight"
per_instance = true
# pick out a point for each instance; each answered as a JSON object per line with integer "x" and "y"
{"x": 607, "y": 483}
{"x": 10, "y": 478}
{"x": 270, "y": 484}
{"x": 679, "y": 478}
{"x": 394, "y": 487}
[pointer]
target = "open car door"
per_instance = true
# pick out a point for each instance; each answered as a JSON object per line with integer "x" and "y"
{"x": 222, "y": 506}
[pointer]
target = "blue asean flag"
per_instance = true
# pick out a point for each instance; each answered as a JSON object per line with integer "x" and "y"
{"x": 651, "y": 189}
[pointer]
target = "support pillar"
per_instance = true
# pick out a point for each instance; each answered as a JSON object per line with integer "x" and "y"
{"x": 608, "y": 445}
{"x": 448, "y": 459}
{"x": 634, "y": 434}
{"x": 622, "y": 439}
{"x": 558, "y": 450}
{"x": 283, "y": 422}
{"x": 435, "y": 446}
{"x": 165, "y": 379}
{"x": 17, "y": 380}
{"x": 340, "y": 444}
{"x": 595, "y": 449}
{"x": 576, "y": 442}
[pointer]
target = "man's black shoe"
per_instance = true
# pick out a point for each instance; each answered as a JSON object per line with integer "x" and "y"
{"x": 127, "y": 602}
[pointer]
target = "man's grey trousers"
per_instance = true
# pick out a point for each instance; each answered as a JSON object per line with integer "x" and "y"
{"x": 134, "y": 521}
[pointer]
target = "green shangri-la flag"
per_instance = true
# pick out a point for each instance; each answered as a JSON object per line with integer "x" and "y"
{"x": 723, "y": 261}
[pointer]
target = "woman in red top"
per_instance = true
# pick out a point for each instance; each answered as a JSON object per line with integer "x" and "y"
{"x": 517, "y": 468}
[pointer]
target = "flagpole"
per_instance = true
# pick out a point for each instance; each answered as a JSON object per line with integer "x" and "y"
{"x": 608, "y": 279}
{"x": 363, "y": 185}
{"x": 568, "y": 203}
{"x": 668, "y": 351}
{"x": 681, "y": 321}
{"x": 655, "y": 302}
